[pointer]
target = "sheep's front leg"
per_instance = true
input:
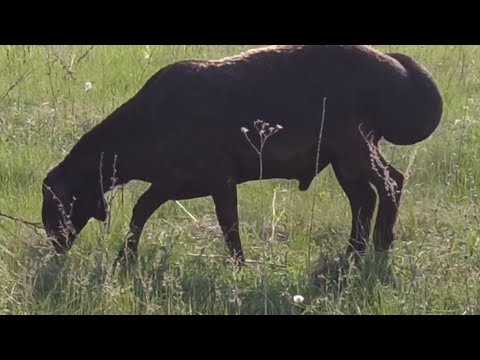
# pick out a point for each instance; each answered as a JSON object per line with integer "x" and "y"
{"x": 148, "y": 203}
{"x": 225, "y": 199}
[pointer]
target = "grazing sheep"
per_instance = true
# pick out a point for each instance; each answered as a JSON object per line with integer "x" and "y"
{"x": 183, "y": 134}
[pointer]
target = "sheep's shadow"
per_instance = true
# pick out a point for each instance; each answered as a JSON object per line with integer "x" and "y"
{"x": 51, "y": 273}
{"x": 340, "y": 271}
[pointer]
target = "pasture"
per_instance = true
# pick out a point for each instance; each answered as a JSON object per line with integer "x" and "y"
{"x": 51, "y": 95}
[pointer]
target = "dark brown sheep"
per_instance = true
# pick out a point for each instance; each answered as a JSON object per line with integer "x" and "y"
{"x": 183, "y": 134}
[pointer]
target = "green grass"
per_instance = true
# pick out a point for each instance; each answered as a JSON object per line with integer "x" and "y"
{"x": 434, "y": 267}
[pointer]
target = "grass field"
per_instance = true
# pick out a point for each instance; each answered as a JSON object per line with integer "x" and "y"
{"x": 49, "y": 96}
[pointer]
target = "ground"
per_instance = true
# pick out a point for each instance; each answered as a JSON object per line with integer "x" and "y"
{"x": 51, "y": 95}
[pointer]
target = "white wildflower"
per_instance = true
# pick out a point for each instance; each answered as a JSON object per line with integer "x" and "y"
{"x": 88, "y": 86}
{"x": 298, "y": 299}
{"x": 147, "y": 53}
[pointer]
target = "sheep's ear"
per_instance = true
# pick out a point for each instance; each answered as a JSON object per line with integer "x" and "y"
{"x": 61, "y": 191}
{"x": 100, "y": 212}
{"x": 58, "y": 191}
{"x": 55, "y": 185}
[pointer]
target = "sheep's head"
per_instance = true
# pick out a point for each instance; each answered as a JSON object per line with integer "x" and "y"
{"x": 68, "y": 206}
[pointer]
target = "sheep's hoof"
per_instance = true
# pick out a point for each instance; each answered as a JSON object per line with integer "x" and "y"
{"x": 238, "y": 261}
{"x": 126, "y": 258}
